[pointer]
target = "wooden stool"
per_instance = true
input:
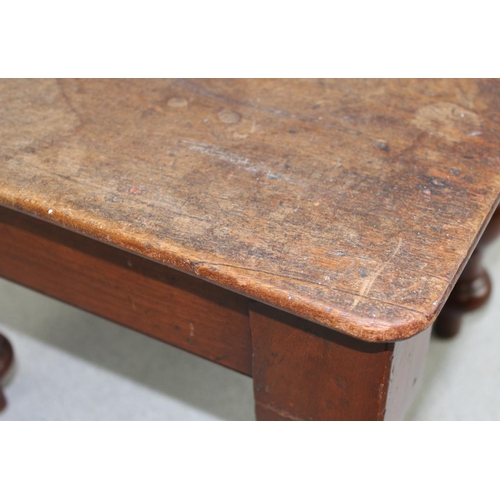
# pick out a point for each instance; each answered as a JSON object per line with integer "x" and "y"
{"x": 306, "y": 233}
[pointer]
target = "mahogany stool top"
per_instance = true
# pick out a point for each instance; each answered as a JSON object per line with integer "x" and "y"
{"x": 351, "y": 203}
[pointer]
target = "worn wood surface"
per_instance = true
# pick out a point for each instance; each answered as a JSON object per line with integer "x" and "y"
{"x": 168, "y": 305}
{"x": 304, "y": 371}
{"x": 354, "y": 204}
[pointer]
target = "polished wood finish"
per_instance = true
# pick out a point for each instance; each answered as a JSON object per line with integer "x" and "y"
{"x": 473, "y": 288}
{"x": 133, "y": 291}
{"x": 6, "y": 360}
{"x": 304, "y": 371}
{"x": 354, "y": 204}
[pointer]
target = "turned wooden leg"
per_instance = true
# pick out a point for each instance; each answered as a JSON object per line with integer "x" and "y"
{"x": 473, "y": 288}
{"x": 304, "y": 371}
{"x": 6, "y": 359}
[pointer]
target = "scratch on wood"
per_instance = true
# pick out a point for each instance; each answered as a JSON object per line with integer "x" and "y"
{"x": 239, "y": 161}
{"x": 230, "y": 157}
{"x": 368, "y": 282}
{"x": 197, "y": 265}
{"x": 67, "y": 100}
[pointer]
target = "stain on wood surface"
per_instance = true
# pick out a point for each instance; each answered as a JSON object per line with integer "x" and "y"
{"x": 354, "y": 204}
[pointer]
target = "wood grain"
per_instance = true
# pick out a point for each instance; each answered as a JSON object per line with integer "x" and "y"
{"x": 128, "y": 289}
{"x": 304, "y": 371}
{"x": 354, "y": 204}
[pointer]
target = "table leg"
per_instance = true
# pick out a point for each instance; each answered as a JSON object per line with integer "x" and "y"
{"x": 472, "y": 289}
{"x": 6, "y": 359}
{"x": 304, "y": 371}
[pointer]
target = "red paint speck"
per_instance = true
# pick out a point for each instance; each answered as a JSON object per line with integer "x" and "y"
{"x": 134, "y": 190}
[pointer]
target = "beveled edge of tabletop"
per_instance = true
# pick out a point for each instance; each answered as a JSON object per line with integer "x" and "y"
{"x": 350, "y": 324}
